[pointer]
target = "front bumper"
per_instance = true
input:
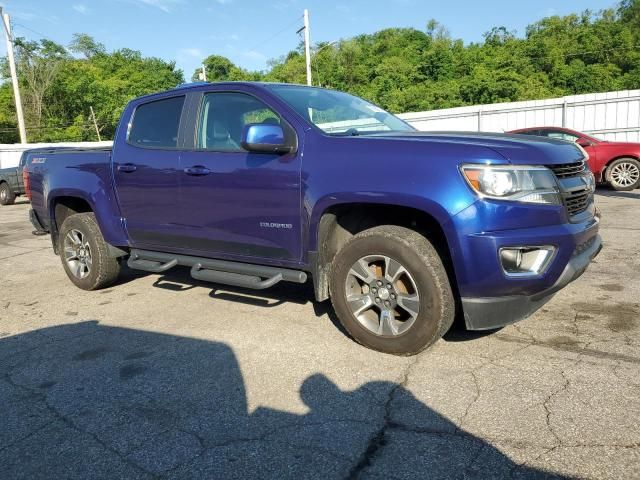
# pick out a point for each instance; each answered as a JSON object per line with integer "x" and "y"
{"x": 484, "y": 313}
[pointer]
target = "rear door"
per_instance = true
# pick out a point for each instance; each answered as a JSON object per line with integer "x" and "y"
{"x": 239, "y": 204}
{"x": 145, "y": 169}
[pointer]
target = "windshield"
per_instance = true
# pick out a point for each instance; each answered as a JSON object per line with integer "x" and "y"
{"x": 338, "y": 113}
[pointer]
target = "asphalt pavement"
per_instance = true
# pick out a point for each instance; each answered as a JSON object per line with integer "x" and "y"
{"x": 163, "y": 376}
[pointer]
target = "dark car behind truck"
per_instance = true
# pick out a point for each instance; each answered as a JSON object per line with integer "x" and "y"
{"x": 250, "y": 184}
{"x": 11, "y": 183}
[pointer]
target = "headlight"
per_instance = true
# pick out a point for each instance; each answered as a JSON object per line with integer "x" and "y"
{"x": 515, "y": 183}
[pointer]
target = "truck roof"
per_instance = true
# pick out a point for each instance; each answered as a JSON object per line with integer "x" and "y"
{"x": 195, "y": 85}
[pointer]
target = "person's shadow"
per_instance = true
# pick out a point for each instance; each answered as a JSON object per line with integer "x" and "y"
{"x": 91, "y": 401}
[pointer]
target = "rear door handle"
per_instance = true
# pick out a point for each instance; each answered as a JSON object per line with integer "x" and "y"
{"x": 127, "y": 168}
{"x": 197, "y": 171}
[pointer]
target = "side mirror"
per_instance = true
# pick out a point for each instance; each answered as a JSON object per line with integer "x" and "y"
{"x": 583, "y": 142}
{"x": 265, "y": 138}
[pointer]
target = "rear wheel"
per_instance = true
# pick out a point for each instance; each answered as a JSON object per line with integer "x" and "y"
{"x": 84, "y": 253}
{"x": 7, "y": 197}
{"x": 624, "y": 174}
{"x": 390, "y": 290}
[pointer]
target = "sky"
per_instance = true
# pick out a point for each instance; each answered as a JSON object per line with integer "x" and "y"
{"x": 250, "y": 32}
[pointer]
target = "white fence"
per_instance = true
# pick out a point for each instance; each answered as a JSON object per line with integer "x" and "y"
{"x": 10, "y": 153}
{"x": 610, "y": 116}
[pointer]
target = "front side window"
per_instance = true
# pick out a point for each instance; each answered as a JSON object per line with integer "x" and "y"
{"x": 223, "y": 117}
{"x": 155, "y": 124}
{"x": 338, "y": 113}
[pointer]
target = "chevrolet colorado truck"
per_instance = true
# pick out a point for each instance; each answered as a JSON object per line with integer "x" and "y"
{"x": 251, "y": 184}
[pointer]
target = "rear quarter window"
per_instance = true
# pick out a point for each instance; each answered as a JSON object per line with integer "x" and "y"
{"x": 155, "y": 124}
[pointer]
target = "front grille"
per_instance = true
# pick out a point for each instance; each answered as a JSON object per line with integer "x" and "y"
{"x": 567, "y": 170}
{"x": 577, "y": 202}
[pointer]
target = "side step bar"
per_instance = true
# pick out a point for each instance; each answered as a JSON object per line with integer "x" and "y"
{"x": 243, "y": 275}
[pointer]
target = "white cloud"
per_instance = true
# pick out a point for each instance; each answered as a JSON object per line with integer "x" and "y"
{"x": 253, "y": 55}
{"x": 285, "y": 5}
{"x": 80, "y": 8}
{"x": 224, "y": 2}
{"x": 191, "y": 52}
{"x": 164, "y": 5}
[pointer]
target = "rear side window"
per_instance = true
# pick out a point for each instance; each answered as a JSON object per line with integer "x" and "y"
{"x": 155, "y": 124}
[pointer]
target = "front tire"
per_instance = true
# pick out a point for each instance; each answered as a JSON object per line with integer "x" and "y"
{"x": 390, "y": 290}
{"x": 7, "y": 197}
{"x": 624, "y": 174}
{"x": 84, "y": 253}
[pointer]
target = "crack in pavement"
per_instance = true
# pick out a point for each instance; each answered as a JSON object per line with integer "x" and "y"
{"x": 573, "y": 348}
{"x": 59, "y": 416}
{"x": 377, "y": 441}
{"x": 475, "y": 398}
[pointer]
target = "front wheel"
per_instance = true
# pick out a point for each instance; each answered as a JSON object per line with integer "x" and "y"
{"x": 624, "y": 174}
{"x": 84, "y": 253}
{"x": 390, "y": 290}
{"x": 7, "y": 197}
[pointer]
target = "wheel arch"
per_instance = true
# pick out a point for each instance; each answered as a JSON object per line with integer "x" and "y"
{"x": 617, "y": 157}
{"x": 339, "y": 222}
{"x": 61, "y": 207}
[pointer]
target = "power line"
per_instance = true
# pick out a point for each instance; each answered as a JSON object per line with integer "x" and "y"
{"x": 42, "y": 127}
{"x": 45, "y": 37}
{"x": 279, "y": 32}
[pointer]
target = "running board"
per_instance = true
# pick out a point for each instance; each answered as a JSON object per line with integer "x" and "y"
{"x": 243, "y": 275}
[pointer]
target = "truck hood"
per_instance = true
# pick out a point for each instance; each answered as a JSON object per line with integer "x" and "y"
{"x": 516, "y": 149}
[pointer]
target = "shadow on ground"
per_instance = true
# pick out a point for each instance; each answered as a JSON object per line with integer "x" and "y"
{"x": 91, "y": 401}
{"x": 178, "y": 279}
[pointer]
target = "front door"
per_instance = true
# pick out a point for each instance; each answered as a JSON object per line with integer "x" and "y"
{"x": 146, "y": 176}
{"x": 238, "y": 204}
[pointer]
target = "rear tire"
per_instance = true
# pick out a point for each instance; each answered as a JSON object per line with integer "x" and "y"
{"x": 623, "y": 174}
{"x": 84, "y": 253}
{"x": 390, "y": 290}
{"x": 7, "y": 197}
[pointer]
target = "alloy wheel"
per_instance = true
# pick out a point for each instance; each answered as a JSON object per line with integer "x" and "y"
{"x": 382, "y": 295}
{"x": 77, "y": 253}
{"x": 625, "y": 174}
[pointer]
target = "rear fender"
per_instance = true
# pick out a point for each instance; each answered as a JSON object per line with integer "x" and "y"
{"x": 101, "y": 204}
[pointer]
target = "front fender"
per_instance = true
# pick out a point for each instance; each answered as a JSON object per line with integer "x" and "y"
{"x": 425, "y": 205}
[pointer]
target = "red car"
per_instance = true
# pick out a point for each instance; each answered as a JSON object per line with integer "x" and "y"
{"x": 615, "y": 163}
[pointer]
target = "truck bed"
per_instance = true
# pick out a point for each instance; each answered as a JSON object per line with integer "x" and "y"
{"x": 88, "y": 167}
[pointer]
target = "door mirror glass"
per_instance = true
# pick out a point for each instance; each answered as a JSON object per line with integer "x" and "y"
{"x": 265, "y": 138}
{"x": 583, "y": 142}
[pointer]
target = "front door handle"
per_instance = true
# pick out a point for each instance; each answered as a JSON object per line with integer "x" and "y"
{"x": 127, "y": 168}
{"x": 197, "y": 171}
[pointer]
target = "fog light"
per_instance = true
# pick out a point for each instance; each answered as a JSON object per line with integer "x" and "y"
{"x": 522, "y": 261}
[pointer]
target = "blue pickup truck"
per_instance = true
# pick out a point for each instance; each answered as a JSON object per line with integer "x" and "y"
{"x": 250, "y": 184}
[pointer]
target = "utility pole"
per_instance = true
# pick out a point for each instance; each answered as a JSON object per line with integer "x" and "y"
{"x": 307, "y": 46}
{"x": 203, "y": 75}
{"x": 95, "y": 124}
{"x": 6, "y": 21}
